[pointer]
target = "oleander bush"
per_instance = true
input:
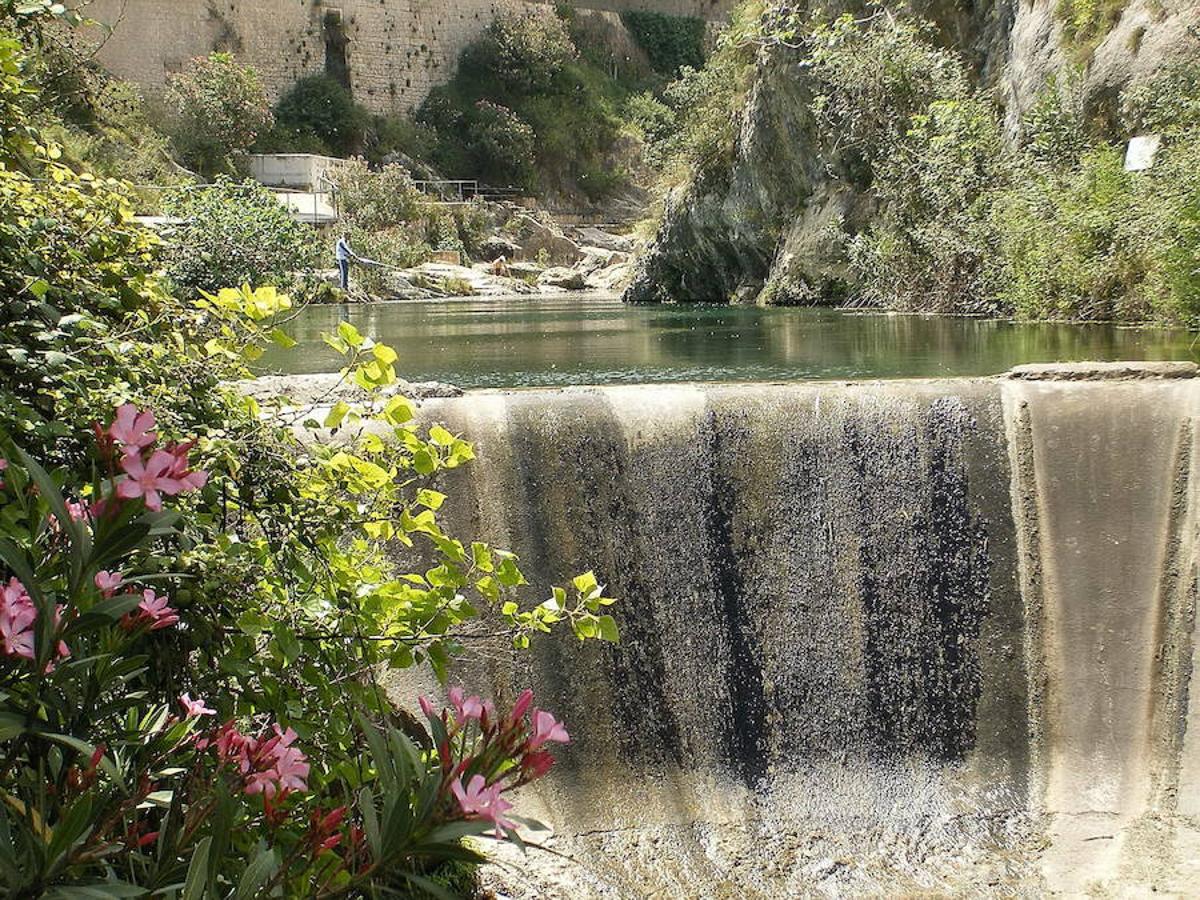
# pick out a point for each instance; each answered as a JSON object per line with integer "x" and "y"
{"x": 216, "y": 109}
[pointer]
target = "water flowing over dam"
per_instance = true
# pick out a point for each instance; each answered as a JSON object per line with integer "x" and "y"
{"x": 877, "y": 638}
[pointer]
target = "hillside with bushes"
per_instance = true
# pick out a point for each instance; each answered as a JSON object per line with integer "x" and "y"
{"x": 937, "y": 160}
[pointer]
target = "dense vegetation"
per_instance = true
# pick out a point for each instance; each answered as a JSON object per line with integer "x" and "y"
{"x": 526, "y": 109}
{"x": 195, "y": 603}
{"x": 964, "y": 220}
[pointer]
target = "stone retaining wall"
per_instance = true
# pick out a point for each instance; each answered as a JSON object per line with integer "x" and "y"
{"x": 395, "y": 50}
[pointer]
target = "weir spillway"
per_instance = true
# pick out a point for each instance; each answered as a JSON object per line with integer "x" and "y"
{"x": 878, "y": 638}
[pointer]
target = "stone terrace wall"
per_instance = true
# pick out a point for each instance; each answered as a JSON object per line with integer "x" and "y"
{"x": 397, "y": 50}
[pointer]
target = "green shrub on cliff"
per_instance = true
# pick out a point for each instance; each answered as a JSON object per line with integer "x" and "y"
{"x": 694, "y": 139}
{"x": 933, "y": 245}
{"x": 526, "y": 109}
{"x": 670, "y": 42}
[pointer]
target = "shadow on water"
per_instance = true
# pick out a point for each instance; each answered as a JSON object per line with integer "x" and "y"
{"x": 565, "y": 340}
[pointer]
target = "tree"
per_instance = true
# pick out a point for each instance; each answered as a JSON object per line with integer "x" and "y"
{"x": 217, "y": 108}
{"x": 234, "y": 234}
{"x": 320, "y": 107}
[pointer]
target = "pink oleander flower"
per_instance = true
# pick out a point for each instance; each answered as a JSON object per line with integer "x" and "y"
{"x": 76, "y": 510}
{"x": 268, "y": 766}
{"x": 108, "y": 582}
{"x": 194, "y": 709}
{"x": 291, "y": 770}
{"x": 547, "y": 729}
{"x": 524, "y": 701}
{"x": 149, "y": 478}
{"x": 478, "y": 799}
{"x": 153, "y": 610}
{"x": 427, "y": 707}
{"x": 536, "y": 764}
{"x": 188, "y": 480}
{"x": 466, "y": 708}
{"x": 17, "y": 615}
{"x": 132, "y": 428}
{"x": 3, "y": 466}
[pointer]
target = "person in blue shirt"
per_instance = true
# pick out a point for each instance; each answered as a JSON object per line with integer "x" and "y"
{"x": 344, "y": 254}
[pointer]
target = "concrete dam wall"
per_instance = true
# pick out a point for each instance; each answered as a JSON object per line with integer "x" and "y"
{"x": 883, "y": 638}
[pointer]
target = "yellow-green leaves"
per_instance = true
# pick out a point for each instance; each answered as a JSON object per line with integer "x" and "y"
{"x": 583, "y": 613}
{"x": 370, "y": 365}
{"x": 255, "y": 304}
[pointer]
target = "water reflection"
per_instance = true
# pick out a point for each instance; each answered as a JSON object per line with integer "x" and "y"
{"x": 593, "y": 340}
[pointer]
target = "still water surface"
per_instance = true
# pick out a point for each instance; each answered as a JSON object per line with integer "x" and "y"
{"x": 575, "y": 339}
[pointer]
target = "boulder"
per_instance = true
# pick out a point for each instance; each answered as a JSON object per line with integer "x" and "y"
{"x": 610, "y": 278}
{"x": 591, "y": 236}
{"x": 539, "y": 239}
{"x": 561, "y": 277}
{"x": 496, "y": 247}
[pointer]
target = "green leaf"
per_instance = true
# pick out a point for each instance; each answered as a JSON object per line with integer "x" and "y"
{"x": 431, "y": 499}
{"x": 482, "y": 556}
{"x": 441, "y": 436}
{"x": 262, "y": 867}
{"x": 197, "y": 873}
{"x": 282, "y": 338}
{"x": 336, "y": 414}
{"x": 253, "y": 623}
{"x": 424, "y": 462}
{"x": 608, "y": 629}
{"x": 349, "y": 334}
{"x": 585, "y": 583}
{"x": 385, "y": 354}
{"x": 11, "y": 724}
{"x": 366, "y": 807}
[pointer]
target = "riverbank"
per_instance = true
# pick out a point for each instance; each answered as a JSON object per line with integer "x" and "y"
{"x": 529, "y": 255}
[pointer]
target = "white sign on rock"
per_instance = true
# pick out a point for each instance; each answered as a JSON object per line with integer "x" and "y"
{"x": 1141, "y": 152}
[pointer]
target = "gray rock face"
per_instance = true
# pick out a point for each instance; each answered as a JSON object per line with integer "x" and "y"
{"x": 559, "y": 277}
{"x": 542, "y": 240}
{"x": 760, "y": 232}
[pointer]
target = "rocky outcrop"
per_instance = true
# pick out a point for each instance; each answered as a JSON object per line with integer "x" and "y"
{"x": 764, "y": 229}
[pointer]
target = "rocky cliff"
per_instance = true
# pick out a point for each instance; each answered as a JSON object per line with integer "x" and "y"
{"x": 765, "y": 229}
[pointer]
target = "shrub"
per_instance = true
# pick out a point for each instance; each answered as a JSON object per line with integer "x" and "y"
{"x": 1166, "y": 103}
{"x": 524, "y": 52}
{"x": 932, "y": 246}
{"x": 707, "y": 102}
{"x": 234, "y": 233}
{"x": 670, "y": 42}
{"x": 656, "y": 123}
{"x": 871, "y": 80}
{"x": 135, "y": 774}
{"x": 1086, "y": 22}
{"x": 388, "y": 136}
{"x": 525, "y": 109}
{"x": 1061, "y": 246}
{"x": 319, "y": 107}
{"x": 502, "y": 145}
{"x": 1054, "y": 131}
{"x": 217, "y": 108}
{"x": 376, "y": 198}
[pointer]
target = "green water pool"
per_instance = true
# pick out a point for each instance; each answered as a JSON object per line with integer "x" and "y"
{"x": 574, "y": 339}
